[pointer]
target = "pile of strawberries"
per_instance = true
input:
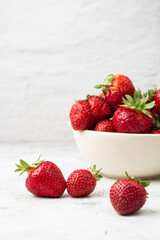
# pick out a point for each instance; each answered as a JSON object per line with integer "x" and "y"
{"x": 45, "y": 179}
{"x": 119, "y": 108}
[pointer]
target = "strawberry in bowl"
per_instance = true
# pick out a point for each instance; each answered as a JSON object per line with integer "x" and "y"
{"x": 134, "y": 115}
{"x": 115, "y": 87}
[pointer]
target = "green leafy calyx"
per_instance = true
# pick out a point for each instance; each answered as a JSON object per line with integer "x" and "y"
{"x": 144, "y": 183}
{"x": 138, "y": 103}
{"x": 86, "y": 99}
{"x": 107, "y": 82}
{"x": 151, "y": 92}
{"x": 96, "y": 173}
{"x": 24, "y": 166}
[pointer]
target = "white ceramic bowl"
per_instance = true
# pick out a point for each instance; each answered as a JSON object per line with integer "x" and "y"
{"x": 115, "y": 153}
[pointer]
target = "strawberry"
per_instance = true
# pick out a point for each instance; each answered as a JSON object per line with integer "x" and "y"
{"x": 156, "y": 131}
{"x": 99, "y": 107}
{"x": 115, "y": 87}
{"x": 128, "y": 195}
{"x": 44, "y": 178}
{"x": 134, "y": 116}
{"x": 105, "y": 126}
{"x": 81, "y": 116}
{"x": 82, "y": 182}
{"x": 156, "y": 108}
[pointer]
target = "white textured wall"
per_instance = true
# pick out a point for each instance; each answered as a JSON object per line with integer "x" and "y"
{"x": 52, "y": 52}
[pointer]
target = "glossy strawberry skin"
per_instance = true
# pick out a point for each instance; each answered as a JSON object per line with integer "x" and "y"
{"x": 156, "y": 131}
{"x": 81, "y": 116}
{"x": 105, "y": 126}
{"x": 81, "y": 183}
{"x": 127, "y": 120}
{"x": 100, "y": 108}
{"x": 46, "y": 180}
{"x": 127, "y": 196}
{"x": 121, "y": 86}
{"x": 157, "y": 102}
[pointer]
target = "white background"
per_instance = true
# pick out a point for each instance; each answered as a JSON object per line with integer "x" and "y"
{"x": 53, "y": 52}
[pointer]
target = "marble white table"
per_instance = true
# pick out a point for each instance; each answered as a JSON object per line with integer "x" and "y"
{"x": 24, "y": 216}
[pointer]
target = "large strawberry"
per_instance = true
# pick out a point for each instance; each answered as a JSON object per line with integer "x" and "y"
{"x": 105, "y": 126}
{"x": 128, "y": 195}
{"x": 82, "y": 182}
{"x": 134, "y": 116}
{"x": 44, "y": 178}
{"x": 115, "y": 87}
{"x": 81, "y": 116}
{"x": 99, "y": 107}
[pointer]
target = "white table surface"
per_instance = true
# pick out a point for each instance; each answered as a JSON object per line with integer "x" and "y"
{"x": 24, "y": 216}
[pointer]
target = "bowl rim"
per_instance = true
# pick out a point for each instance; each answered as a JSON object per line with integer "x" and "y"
{"x": 114, "y": 133}
{"x": 118, "y": 134}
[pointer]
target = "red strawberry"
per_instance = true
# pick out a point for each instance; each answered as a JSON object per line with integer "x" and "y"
{"x": 44, "y": 178}
{"x": 157, "y": 102}
{"x": 99, "y": 107}
{"x": 82, "y": 182}
{"x": 115, "y": 87}
{"x": 156, "y": 131}
{"x": 128, "y": 195}
{"x": 81, "y": 116}
{"x": 105, "y": 126}
{"x": 133, "y": 116}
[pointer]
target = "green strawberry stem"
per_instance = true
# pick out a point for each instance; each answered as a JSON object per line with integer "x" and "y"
{"x": 107, "y": 82}
{"x": 86, "y": 99}
{"x": 24, "y": 166}
{"x": 144, "y": 183}
{"x": 138, "y": 103}
{"x": 95, "y": 172}
{"x": 151, "y": 92}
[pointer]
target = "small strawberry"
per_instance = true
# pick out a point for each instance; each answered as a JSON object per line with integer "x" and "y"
{"x": 81, "y": 116}
{"x": 115, "y": 87}
{"x": 128, "y": 195}
{"x": 44, "y": 178}
{"x": 134, "y": 116}
{"x": 105, "y": 126}
{"x": 99, "y": 107}
{"x": 156, "y": 108}
{"x": 156, "y": 131}
{"x": 82, "y": 182}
